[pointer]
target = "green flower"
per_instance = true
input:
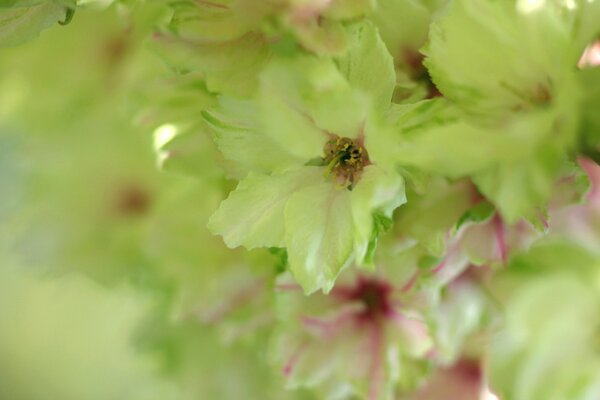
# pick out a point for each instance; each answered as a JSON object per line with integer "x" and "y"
{"x": 548, "y": 347}
{"x": 318, "y": 162}
{"x": 220, "y": 40}
{"x": 512, "y": 98}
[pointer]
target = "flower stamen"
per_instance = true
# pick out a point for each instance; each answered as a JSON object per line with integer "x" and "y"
{"x": 345, "y": 159}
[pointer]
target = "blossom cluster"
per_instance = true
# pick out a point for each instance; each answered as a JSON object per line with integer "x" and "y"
{"x": 412, "y": 187}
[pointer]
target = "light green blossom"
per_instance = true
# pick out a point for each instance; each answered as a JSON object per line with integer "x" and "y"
{"x": 319, "y": 162}
{"x": 516, "y": 97}
{"x": 547, "y": 348}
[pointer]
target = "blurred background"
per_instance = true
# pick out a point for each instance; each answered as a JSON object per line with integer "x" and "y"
{"x": 107, "y": 286}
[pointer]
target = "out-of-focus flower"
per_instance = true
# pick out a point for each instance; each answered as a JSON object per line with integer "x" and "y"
{"x": 364, "y": 337}
{"x": 547, "y": 348}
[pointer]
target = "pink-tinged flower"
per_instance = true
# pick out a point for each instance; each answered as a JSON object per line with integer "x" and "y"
{"x": 365, "y": 337}
{"x": 581, "y": 222}
{"x": 463, "y": 380}
{"x": 236, "y": 305}
{"x": 318, "y": 25}
{"x": 491, "y": 241}
{"x": 452, "y": 226}
{"x": 486, "y": 238}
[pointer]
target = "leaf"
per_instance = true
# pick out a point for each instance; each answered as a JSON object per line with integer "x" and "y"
{"x": 481, "y": 212}
{"x": 381, "y": 224}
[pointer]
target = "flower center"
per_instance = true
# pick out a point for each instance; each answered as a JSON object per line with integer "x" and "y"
{"x": 375, "y": 297}
{"x": 345, "y": 159}
{"x": 131, "y": 200}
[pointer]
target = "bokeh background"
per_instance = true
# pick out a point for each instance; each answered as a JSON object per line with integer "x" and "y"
{"x": 108, "y": 284}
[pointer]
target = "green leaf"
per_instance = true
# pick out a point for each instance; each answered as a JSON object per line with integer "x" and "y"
{"x": 479, "y": 213}
{"x": 282, "y": 259}
{"x": 381, "y": 224}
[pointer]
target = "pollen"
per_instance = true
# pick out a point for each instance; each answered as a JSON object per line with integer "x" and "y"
{"x": 345, "y": 159}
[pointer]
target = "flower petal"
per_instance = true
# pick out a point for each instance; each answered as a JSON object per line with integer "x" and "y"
{"x": 253, "y": 214}
{"x": 319, "y": 235}
{"x": 377, "y": 191}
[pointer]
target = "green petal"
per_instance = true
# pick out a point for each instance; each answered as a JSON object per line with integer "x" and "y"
{"x": 214, "y": 22}
{"x": 520, "y": 189}
{"x": 242, "y": 142}
{"x": 253, "y": 214}
{"x": 377, "y": 191}
{"x": 319, "y": 234}
{"x": 429, "y": 217}
{"x": 322, "y": 37}
{"x": 348, "y": 9}
{"x": 230, "y": 67}
{"x": 185, "y": 150}
{"x": 545, "y": 338}
{"x": 411, "y": 33}
{"x": 22, "y": 23}
{"x": 457, "y": 149}
{"x": 464, "y": 311}
{"x": 510, "y": 58}
{"x": 368, "y": 65}
{"x": 304, "y": 99}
